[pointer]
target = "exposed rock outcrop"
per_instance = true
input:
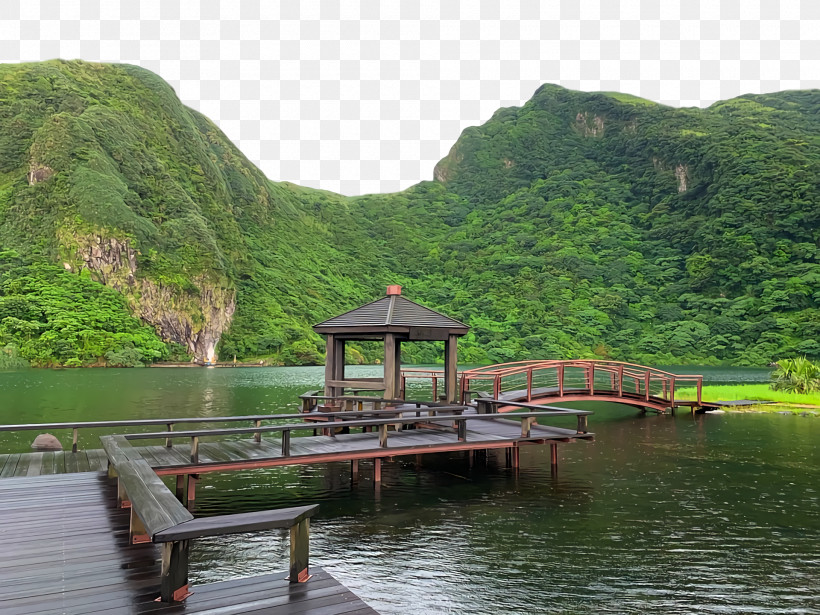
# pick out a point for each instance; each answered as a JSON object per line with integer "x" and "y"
{"x": 682, "y": 175}
{"x": 195, "y": 320}
{"x": 589, "y": 126}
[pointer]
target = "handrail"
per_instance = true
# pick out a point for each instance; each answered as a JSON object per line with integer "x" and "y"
{"x": 460, "y": 421}
{"x": 170, "y": 422}
{"x": 158, "y": 517}
{"x": 523, "y": 366}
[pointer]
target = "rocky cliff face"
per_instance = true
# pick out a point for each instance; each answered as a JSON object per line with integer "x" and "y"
{"x": 195, "y": 320}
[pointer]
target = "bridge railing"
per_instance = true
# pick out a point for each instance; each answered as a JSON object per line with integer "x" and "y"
{"x": 533, "y": 379}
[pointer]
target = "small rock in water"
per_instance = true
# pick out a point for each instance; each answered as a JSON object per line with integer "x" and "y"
{"x": 784, "y": 412}
{"x": 46, "y": 442}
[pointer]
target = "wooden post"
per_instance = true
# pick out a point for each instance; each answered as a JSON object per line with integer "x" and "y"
{"x": 306, "y": 403}
{"x": 435, "y": 388}
{"x": 620, "y": 381}
{"x": 461, "y": 430}
{"x": 383, "y": 435}
{"x": 672, "y": 392}
{"x": 174, "y": 579}
{"x": 180, "y": 488}
{"x": 646, "y": 379}
{"x": 169, "y": 441}
{"x": 330, "y": 361}
{"x": 526, "y": 426}
{"x": 582, "y": 423}
{"x": 554, "y": 454}
{"x": 377, "y": 471}
{"x": 354, "y": 468}
{"x": 592, "y": 379}
{"x": 300, "y": 552}
{"x": 515, "y": 459}
{"x": 191, "y": 490}
{"x": 529, "y": 384}
{"x": 286, "y": 443}
{"x": 561, "y": 380}
{"x": 258, "y": 435}
{"x": 194, "y": 449}
{"x": 75, "y": 436}
{"x": 390, "y": 383}
{"x": 700, "y": 387}
{"x": 451, "y": 368}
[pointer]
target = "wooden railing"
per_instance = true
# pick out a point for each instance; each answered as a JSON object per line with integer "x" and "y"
{"x": 157, "y": 516}
{"x": 541, "y": 379}
{"x": 433, "y": 375}
{"x": 347, "y": 403}
{"x": 311, "y": 399}
{"x": 448, "y": 415}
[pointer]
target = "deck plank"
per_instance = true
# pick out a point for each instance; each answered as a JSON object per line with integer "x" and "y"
{"x": 68, "y": 553}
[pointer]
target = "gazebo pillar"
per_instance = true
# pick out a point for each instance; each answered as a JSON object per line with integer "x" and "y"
{"x": 451, "y": 368}
{"x": 334, "y": 364}
{"x": 392, "y": 366}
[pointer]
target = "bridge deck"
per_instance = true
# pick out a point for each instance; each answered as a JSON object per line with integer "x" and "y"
{"x": 234, "y": 454}
{"x": 65, "y": 550}
{"x": 540, "y": 394}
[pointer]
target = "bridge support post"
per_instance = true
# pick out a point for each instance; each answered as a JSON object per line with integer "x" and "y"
{"x": 554, "y": 456}
{"x": 515, "y": 459}
{"x": 192, "y": 489}
{"x": 180, "y": 488}
{"x": 377, "y": 472}
{"x": 354, "y": 470}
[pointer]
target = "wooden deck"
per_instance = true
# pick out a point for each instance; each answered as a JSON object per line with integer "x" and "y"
{"x": 244, "y": 454}
{"x": 65, "y": 550}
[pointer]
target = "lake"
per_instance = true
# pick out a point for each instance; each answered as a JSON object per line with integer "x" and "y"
{"x": 660, "y": 514}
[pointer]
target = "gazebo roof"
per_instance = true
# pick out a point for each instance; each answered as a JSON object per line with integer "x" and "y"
{"x": 393, "y": 314}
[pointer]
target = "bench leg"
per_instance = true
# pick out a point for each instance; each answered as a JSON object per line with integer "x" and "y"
{"x": 122, "y": 496}
{"x": 174, "y": 581}
{"x": 299, "y": 551}
{"x": 137, "y": 533}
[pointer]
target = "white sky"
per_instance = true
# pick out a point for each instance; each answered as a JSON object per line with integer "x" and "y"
{"x": 367, "y": 96}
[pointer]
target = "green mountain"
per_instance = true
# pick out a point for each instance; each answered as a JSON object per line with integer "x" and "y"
{"x": 578, "y": 225}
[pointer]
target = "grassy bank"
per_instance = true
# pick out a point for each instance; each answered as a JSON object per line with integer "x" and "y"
{"x": 758, "y": 392}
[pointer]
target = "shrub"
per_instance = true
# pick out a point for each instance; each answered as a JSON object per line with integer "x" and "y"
{"x": 797, "y": 375}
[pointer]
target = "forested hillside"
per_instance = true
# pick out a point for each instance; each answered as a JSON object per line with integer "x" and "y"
{"x": 578, "y": 225}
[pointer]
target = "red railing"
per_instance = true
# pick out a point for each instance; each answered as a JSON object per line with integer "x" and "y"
{"x": 528, "y": 380}
{"x": 434, "y": 375}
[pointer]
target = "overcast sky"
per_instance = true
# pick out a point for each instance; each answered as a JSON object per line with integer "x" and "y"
{"x": 360, "y": 97}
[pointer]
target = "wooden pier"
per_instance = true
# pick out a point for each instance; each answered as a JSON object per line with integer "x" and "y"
{"x": 66, "y": 549}
{"x": 81, "y": 540}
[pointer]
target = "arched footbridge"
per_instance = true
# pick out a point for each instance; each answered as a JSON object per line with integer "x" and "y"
{"x": 547, "y": 382}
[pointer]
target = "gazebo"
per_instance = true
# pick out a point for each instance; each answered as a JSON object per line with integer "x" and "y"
{"x": 393, "y": 319}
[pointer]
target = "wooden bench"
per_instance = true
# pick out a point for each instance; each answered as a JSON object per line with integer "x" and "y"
{"x": 157, "y": 516}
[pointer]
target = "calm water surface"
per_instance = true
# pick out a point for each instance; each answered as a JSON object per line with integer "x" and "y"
{"x": 661, "y": 514}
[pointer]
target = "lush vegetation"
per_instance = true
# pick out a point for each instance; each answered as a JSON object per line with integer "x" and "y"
{"x": 51, "y": 317}
{"x": 797, "y": 375}
{"x": 579, "y": 225}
